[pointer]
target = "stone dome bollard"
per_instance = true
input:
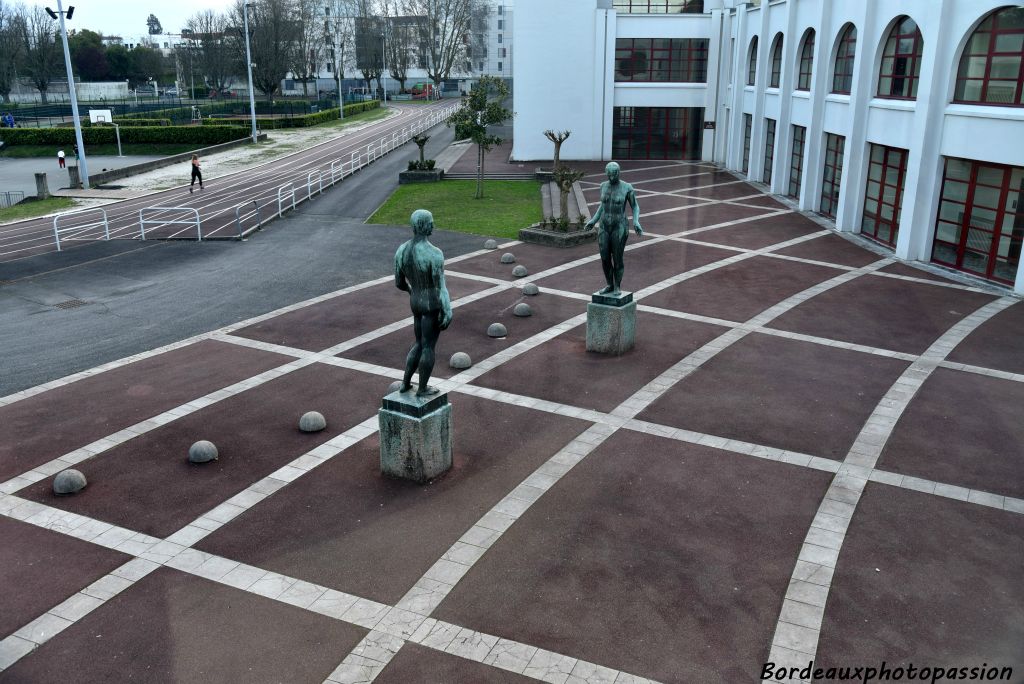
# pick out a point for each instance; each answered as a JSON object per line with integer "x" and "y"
{"x": 522, "y": 310}
{"x": 497, "y": 330}
{"x": 491, "y": 244}
{"x": 531, "y": 290}
{"x": 69, "y": 481}
{"x": 508, "y": 258}
{"x": 520, "y": 271}
{"x": 202, "y": 451}
{"x": 460, "y": 361}
{"x": 394, "y": 387}
{"x": 312, "y": 421}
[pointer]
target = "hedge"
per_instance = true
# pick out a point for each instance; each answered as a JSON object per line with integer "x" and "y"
{"x": 132, "y": 122}
{"x": 99, "y": 135}
{"x": 241, "y": 107}
{"x": 303, "y": 121}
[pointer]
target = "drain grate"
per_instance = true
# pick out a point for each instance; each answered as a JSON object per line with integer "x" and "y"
{"x": 70, "y": 304}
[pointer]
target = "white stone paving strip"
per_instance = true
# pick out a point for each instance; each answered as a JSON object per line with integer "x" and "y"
{"x": 797, "y": 631}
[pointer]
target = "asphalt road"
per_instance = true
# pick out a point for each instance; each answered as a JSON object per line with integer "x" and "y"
{"x": 286, "y": 178}
{"x": 140, "y": 295}
{"x": 20, "y": 174}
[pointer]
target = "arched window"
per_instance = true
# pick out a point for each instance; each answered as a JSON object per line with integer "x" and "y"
{"x": 776, "y": 75}
{"x": 752, "y": 62}
{"x": 803, "y": 76}
{"x": 842, "y": 77}
{"x": 992, "y": 66}
{"x": 901, "y": 61}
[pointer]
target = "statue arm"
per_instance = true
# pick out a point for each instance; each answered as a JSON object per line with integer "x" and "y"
{"x": 597, "y": 215}
{"x": 400, "y": 281}
{"x": 442, "y": 289}
{"x": 631, "y": 197}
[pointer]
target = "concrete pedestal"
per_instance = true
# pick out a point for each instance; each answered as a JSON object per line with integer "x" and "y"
{"x": 415, "y": 436}
{"x": 611, "y": 323}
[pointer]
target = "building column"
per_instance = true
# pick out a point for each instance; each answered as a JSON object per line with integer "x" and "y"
{"x": 715, "y": 87}
{"x": 757, "y": 134}
{"x": 787, "y": 80}
{"x": 814, "y": 143}
{"x": 924, "y": 163}
{"x": 855, "y": 151}
{"x": 738, "y": 29}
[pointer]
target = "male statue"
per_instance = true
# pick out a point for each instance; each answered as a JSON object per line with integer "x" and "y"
{"x": 419, "y": 270}
{"x": 614, "y": 231}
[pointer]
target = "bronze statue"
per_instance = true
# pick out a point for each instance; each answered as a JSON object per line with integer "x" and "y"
{"x": 614, "y": 231}
{"x": 419, "y": 270}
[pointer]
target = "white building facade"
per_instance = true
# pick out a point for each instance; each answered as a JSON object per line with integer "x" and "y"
{"x": 901, "y": 121}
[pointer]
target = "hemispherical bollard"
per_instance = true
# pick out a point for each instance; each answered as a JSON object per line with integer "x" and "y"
{"x": 202, "y": 451}
{"x": 497, "y": 330}
{"x": 460, "y": 361}
{"x": 491, "y": 244}
{"x": 69, "y": 481}
{"x": 520, "y": 271}
{"x": 394, "y": 387}
{"x": 522, "y": 310}
{"x": 531, "y": 290}
{"x": 312, "y": 421}
{"x": 508, "y": 258}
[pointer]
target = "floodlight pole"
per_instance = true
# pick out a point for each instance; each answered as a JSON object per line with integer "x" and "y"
{"x": 248, "y": 64}
{"x": 384, "y": 62}
{"x": 83, "y": 168}
{"x": 338, "y": 46}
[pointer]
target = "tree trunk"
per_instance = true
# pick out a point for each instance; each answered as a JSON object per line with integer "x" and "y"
{"x": 563, "y": 202}
{"x": 305, "y": 88}
{"x": 479, "y": 171}
{"x": 558, "y": 148}
{"x": 421, "y": 152}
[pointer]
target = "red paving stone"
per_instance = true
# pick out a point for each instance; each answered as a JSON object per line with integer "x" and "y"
{"x": 535, "y": 258}
{"x": 645, "y": 266}
{"x": 173, "y": 627}
{"x": 420, "y": 664}
{"x": 723, "y": 190}
{"x": 663, "y": 559}
{"x": 962, "y": 429}
{"x": 832, "y": 249}
{"x": 761, "y": 233}
{"x": 468, "y": 331}
{"x": 697, "y": 216}
{"x": 883, "y": 312}
{"x": 997, "y": 343}
{"x": 375, "y": 536}
{"x": 28, "y": 585}
{"x": 98, "y": 406}
{"x": 926, "y": 580}
{"x": 782, "y": 393}
{"x": 599, "y": 381}
{"x": 147, "y": 484}
{"x": 742, "y": 290}
{"x": 323, "y": 325}
{"x": 899, "y": 268}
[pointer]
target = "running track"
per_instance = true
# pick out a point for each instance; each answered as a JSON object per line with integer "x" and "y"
{"x": 216, "y": 205}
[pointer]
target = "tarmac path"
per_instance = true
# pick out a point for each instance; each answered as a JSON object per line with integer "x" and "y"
{"x": 216, "y": 204}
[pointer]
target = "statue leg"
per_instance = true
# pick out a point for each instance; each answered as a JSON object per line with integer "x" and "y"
{"x": 431, "y": 326}
{"x": 618, "y": 250}
{"x": 413, "y": 359}
{"x": 606, "y": 259}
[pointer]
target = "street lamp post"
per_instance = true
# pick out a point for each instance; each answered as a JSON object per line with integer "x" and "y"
{"x": 83, "y": 168}
{"x": 384, "y": 67}
{"x": 248, "y": 64}
{"x": 338, "y": 47}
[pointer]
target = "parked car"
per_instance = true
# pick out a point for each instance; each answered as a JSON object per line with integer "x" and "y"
{"x": 171, "y": 92}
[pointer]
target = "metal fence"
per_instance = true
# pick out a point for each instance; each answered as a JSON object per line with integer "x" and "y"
{"x": 10, "y": 197}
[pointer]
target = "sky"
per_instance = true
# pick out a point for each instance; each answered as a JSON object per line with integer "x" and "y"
{"x": 127, "y": 18}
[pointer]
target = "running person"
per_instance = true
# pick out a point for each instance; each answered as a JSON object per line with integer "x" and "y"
{"x": 196, "y": 173}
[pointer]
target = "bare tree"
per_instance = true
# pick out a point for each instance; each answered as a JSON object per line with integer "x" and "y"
{"x": 557, "y": 137}
{"x": 11, "y": 45}
{"x": 212, "y": 49}
{"x": 340, "y": 34}
{"x": 449, "y": 23}
{"x": 403, "y": 40}
{"x": 309, "y": 45}
{"x": 369, "y": 39}
{"x": 273, "y": 34}
{"x": 42, "y": 51}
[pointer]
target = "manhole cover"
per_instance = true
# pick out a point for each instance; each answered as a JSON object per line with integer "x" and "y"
{"x": 70, "y": 304}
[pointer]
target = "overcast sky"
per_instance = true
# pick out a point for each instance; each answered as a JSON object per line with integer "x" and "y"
{"x": 127, "y": 18}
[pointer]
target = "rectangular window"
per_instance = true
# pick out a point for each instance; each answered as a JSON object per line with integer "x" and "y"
{"x": 499, "y": 37}
{"x": 796, "y": 161}
{"x": 657, "y": 132}
{"x": 659, "y": 6}
{"x": 833, "y": 174}
{"x": 748, "y": 124}
{"x": 883, "y": 198}
{"x": 769, "y": 150}
{"x": 503, "y": 52}
{"x": 501, "y": 24}
{"x": 499, "y": 66}
{"x": 661, "y": 60}
{"x": 980, "y": 224}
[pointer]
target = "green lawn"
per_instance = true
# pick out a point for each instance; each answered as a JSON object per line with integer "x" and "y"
{"x": 30, "y": 209}
{"x": 505, "y": 207}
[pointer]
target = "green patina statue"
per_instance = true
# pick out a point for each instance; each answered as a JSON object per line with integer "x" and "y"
{"x": 419, "y": 270}
{"x": 614, "y": 231}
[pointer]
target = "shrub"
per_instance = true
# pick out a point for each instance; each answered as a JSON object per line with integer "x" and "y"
{"x": 425, "y": 165}
{"x": 130, "y": 122}
{"x": 98, "y": 135}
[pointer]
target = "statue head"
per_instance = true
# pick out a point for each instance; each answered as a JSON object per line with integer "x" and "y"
{"x": 613, "y": 171}
{"x": 422, "y": 222}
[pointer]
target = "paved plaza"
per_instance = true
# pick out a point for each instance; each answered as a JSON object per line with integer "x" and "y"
{"x": 813, "y": 452}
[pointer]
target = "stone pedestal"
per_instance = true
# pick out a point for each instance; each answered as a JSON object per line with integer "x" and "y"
{"x": 42, "y": 189}
{"x": 74, "y": 179}
{"x": 611, "y": 323}
{"x": 415, "y": 436}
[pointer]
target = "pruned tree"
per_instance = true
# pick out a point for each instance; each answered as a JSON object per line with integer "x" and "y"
{"x": 12, "y": 45}
{"x": 153, "y": 25}
{"x": 273, "y": 33}
{"x": 421, "y": 141}
{"x": 213, "y": 49}
{"x": 42, "y": 51}
{"x": 448, "y": 22}
{"x": 557, "y": 137}
{"x": 483, "y": 108}
{"x": 309, "y": 45}
{"x": 564, "y": 179}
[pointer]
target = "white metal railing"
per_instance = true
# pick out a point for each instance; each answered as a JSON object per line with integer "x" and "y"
{"x": 79, "y": 229}
{"x": 340, "y": 166}
{"x": 309, "y": 183}
{"x": 280, "y": 200}
{"x": 238, "y": 221}
{"x": 165, "y": 221}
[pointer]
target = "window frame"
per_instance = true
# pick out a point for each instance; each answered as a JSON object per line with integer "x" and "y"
{"x": 659, "y": 6}
{"x": 994, "y": 32}
{"x": 796, "y": 161}
{"x": 748, "y": 131}
{"x": 769, "y": 150}
{"x": 912, "y": 77}
{"x": 835, "y": 147}
{"x": 775, "y": 73}
{"x": 752, "y": 62}
{"x": 805, "y": 64}
{"x": 690, "y": 67}
{"x": 845, "y": 56}
{"x": 641, "y": 118}
{"x": 897, "y": 204}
